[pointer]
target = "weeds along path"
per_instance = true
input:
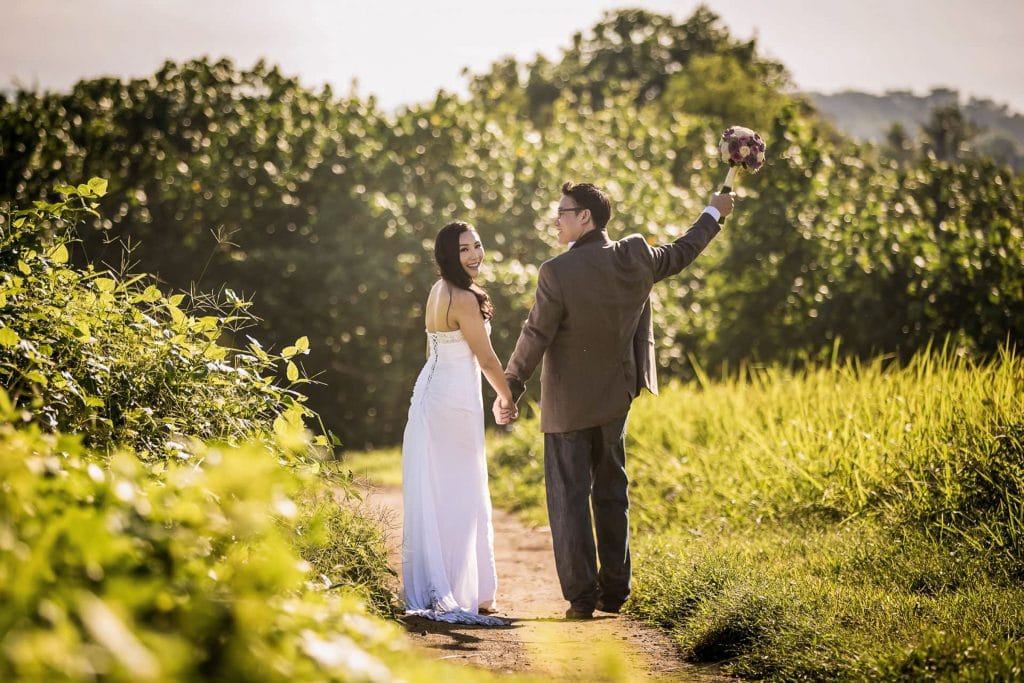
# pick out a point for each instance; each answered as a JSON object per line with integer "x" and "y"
{"x": 540, "y": 642}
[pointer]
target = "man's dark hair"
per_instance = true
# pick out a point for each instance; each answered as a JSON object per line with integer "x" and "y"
{"x": 587, "y": 196}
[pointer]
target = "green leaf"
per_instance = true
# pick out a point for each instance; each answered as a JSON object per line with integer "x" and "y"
{"x": 18, "y": 222}
{"x": 93, "y": 401}
{"x": 8, "y": 337}
{"x": 289, "y": 352}
{"x": 6, "y": 407}
{"x": 176, "y": 315}
{"x": 214, "y": 352}
{"x": 98, "y": 186}
{"x": 105, "y": 284}
{"x": 35, "y": 376}
{"x": 209, "y": 324}
{"x": 292, "y": 372}
{"x": 302, "y": 344}
{"x": 23, "y": 267}
{"x": 59, "y": 254}
{"x": 176, "y": 299}
{"x": 258, "y": 352}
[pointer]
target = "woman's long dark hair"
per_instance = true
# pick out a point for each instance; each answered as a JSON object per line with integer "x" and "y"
{"x": 446, "y": 254}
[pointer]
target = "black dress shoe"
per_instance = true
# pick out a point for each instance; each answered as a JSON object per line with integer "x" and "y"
{"x": 610, "y": 607}
{"x": 574, "y": 614}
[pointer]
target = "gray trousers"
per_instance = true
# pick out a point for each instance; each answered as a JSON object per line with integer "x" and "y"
{"x": 584, "y": 468}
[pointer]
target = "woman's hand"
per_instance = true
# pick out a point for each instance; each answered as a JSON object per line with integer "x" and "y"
{"x": 504, "y": 410}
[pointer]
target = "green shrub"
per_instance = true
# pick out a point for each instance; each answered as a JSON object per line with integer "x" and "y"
{"x": 164, "y": 515}
{"x": 345, "y": 544}
{"x": 106, "y": 570}
{"x": 110, "y": 357}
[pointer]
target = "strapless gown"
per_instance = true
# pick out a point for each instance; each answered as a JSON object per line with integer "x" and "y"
{"x": 448, "y": 570}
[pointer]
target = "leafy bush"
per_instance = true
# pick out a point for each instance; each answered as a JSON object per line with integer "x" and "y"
{"x": 345, "y": 546}
{"x": 111, "y": 358}
{"x": 164, "y": 514}
{"x": 106, "y": 570}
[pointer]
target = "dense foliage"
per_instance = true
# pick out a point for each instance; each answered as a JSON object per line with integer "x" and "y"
{"x": 107, "y": 570}
{"x": 111, "y": 358}
{"x": 163, "y": 511}
{"x": 848, "y": 522}
{"x": 323, "y": 208}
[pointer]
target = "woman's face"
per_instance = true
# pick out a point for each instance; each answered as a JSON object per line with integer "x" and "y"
{"x": 471, "y": 253}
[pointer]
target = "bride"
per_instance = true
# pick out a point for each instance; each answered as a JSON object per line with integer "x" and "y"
{"x": 448, "y": 570}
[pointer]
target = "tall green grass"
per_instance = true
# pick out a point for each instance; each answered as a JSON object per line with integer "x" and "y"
{"x": 844, "y": 522}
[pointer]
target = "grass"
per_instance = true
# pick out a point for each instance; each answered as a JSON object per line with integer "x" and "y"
{"x": 381, "y": 467}
{"x": 843, "y": 523}
{"x": 859, "y": 521}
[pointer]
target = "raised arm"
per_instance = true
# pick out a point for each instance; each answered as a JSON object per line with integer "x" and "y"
{"x": 670, "y": 259}
{"x": 466, "y": 312}
{"x": 538, "y": 331}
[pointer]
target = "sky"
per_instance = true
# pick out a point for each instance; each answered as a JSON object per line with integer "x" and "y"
{"x": 404, "y": 51}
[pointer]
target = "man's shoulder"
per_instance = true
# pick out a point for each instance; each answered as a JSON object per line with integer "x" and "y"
{"x": 558, "y": 261}
{"x": 633, "y": 241}
{"x": 633, "y": 248}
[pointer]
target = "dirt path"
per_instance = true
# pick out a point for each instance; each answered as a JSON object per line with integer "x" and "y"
{"x": 540, "y": 641}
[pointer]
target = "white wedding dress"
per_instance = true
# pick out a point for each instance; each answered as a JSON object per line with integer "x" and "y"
{"x": 448, "y": 569}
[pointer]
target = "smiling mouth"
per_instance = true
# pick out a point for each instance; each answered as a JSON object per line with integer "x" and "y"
{"x": 473, "y": 265}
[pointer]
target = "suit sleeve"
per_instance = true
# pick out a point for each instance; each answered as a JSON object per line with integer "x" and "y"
{"x": 670, "y": 259}
{"x": 538, "y": 332}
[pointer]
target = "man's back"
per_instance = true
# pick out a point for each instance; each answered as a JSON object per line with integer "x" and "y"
{"x": 589, "y": 372}
{"x": 590, "y": 302}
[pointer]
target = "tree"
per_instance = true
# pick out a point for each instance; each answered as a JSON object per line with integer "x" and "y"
{"x": 948, "y": 134}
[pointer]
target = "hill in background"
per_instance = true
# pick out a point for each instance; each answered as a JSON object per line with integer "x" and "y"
{"x": 999, "y": 130}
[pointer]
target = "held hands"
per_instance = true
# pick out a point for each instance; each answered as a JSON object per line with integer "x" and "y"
{"x": 504, "y": 411}
{"x": 724, "y": 203}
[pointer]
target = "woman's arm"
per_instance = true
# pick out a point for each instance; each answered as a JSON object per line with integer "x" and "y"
{"x": 466, "y": 312}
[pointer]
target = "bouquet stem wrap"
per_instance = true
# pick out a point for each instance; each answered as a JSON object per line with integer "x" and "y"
{"x": 730, "y": 180}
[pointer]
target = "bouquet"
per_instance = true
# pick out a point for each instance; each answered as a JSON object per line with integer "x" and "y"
{"x": 740, "y": 147}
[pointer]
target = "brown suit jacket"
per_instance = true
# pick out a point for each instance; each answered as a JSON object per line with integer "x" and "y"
{"x": 591, "y": 323}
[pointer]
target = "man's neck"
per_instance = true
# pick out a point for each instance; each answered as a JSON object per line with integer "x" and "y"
{"x": 588, "y": 236}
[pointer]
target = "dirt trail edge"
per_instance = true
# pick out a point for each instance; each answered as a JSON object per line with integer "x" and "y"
{"x": 540, "y": 641}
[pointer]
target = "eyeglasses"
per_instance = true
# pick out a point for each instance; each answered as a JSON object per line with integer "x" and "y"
{"x": 575, "y": 209}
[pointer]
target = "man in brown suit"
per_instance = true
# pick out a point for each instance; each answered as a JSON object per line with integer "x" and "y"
{"x": 591, "y": 323}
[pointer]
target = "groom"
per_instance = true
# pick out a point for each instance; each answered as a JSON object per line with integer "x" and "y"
{"x": 591, "y": 323}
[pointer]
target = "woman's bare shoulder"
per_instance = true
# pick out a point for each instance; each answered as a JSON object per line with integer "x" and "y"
{"x": 448, "y": 305}
{"x": 464, "y": 300}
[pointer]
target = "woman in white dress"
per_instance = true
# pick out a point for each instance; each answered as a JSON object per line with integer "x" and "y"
{"x": 448, "y": 571}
